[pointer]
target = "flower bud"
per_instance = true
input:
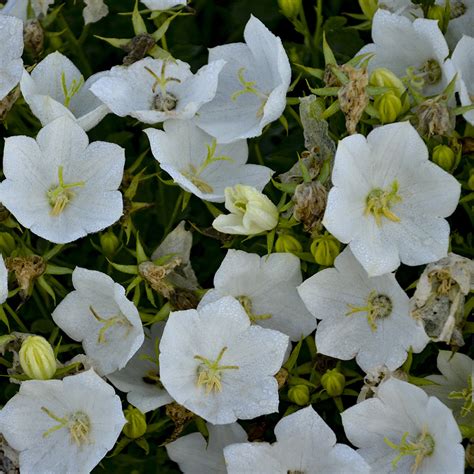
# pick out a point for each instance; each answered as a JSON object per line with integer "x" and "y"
{"x": 368, "y": 7}
{"x": 444, "y": 157}
{"x": 109, "y": 243}
{"x": 37, "y": 358}
{"x": 251, "y": 212}
{"x": 470, "y": 182}
{"x": 382, "y": 77}
{"x": 288, "y": 243}
{"x": 325, "y": 249}
{"x": 389, "y": 106}
{"x": 299, "y": 394}
{"x": 333, "y": 382}
{"x": 290, "y": 8}
{"x": 437, "y": 12}
{"x": 136, "y": 423}
{"x": 7, "y": 243}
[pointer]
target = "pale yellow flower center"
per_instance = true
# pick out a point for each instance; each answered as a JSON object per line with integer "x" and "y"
{"x": 209, "y": 373}
{"x": 250, "y": 87}
{"x": 379, "y": 203}
{"x": 60, "y": 195}
{"x": 107, "y": 323}
{"x": 78, "y": 424}
{"x": 246, "y": 302}
{"x": 378, "y": 306}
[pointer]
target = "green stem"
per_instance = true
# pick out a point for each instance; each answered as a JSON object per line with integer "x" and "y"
{"x": 75, "y": 46}
{"x": 175, "y": 213}
{"x": 15, "y": 317}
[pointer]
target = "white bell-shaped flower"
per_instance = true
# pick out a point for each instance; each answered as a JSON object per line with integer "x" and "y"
{"x": 11, "y": 49}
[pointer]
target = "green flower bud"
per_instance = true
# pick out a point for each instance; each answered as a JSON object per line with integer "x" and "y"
{"x": 470, "y": 182}
{"x": 444, "y": 157}
{"x": 333, "y": 382}
{"x": 109, "y": 243}
{"x": 325, "y": 249}
{"x": 37, "y": 358}
{"x": 136, "y": 423}
{"x": 382, "y": 77}
{"x": 290, "y": 8}
{"x": 299, "y": 394}
{"x": 369, "y": 7}
{"x": 7, "y": 243}
{"x": 437, "y": 12}
{"x": 288, "y": 243}
{"x": 389, "y": 107}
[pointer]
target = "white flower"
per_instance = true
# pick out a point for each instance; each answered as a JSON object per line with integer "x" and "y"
{"x": 200, "y": 165}
{"x": 140, "y": 377}
{"x": 3, "y": 281}
{"x": 62, "y": 426}
{"x": 416, "y": 50}
{"x": 163, "y": 4}
{"x": 266, "y": 288}
{"x": 59, "y": 186}
{"x": 153, "y": 90}
{"x": 403, "y": 430}
{"x": 19, "y": 8}
{"x": 252, "y": 86}
{"x": 94, "y": 11}
{"x": 454, "y": 386}
{"x": 56, "y": 88}
{"x": 178, "y": 244}
{"x": 388, "y": 201}
{"x": 195, "y": 455}
{"x": 251, "y": 212}
{"x": 213, "y": 362}
{"x": 98, "y": 314}
{"x": 362, "y": 317}
{"x": 305, "y": 443}
{"x": 463, "y": 61}
{"x": 11, "y": 49}
{"x": 461, "y": 20}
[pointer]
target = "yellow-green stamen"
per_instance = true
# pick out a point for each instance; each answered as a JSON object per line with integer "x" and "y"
{"x": 420, "y": 448}
{"x": 249, "y": 87}
{"x": 163, "y": 101}
{"x": 209, "y": 372}
{"x": 246, "y": 302}
{"x": 72, "y": 90}
{"x": 194, "y": 174}
{"x": 467, "y": 395}
{"x": 60, "y": 195}
{"x": 378, "y": 306}
{"x": 379, "y": 203}
{"x": 78, "y": 425}
{"x": 107, "y": 323}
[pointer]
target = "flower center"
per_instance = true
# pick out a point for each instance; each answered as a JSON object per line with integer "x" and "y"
{"x": 246, "y": 302}
{"x": 72, "y": 90}
{"x": 379, "y": 202}
{"x": 249, "y": 87}
{"x": 467, "y": 395}
{"x": 163, "y": 101}
{"x": 194, "y": 174}
{"x": 78, "y": 425}
{"x": 457, "y": 9}
{"x": 209, "y": 373}
{"x": 429, "y": 73}
{"x": 60, "y": 195}
{"x": 378, "y": 307}
{"x": 107, "y": 323}
{"x": 420, "y": 447}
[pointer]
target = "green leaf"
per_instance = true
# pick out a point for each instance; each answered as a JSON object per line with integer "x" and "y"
{"x": 291, "y": 362}
{"x": 129, "y": 269}
{"x": 139, "y": 26}
{"x": 56, "y": 270}
{"x": 115, "y": 42}
{"x": 327, "y": 51}
{"x": 161, "y": 31}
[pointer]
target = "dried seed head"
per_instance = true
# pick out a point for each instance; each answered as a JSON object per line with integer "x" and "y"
{"x": 137, "y": 48}
{"x": 33, "y": 37}
{"x": 353, "y": 97}
{"x": 310, "y": 203}
{"x": 434, "y": 117}
{"x": 26, "y": 270}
